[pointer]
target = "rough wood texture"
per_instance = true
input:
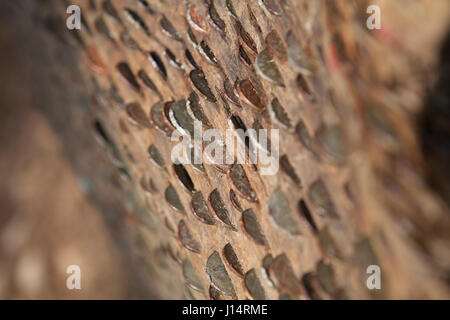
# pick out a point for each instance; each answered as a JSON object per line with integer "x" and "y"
{"x": 353, "y": 173}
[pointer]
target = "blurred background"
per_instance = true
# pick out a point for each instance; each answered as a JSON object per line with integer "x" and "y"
{"x": 49, "y": 216}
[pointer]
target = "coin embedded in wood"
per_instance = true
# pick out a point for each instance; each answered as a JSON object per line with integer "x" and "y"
{"x": 195, "y": 110}
{"x": 183, "y": 177}
{"x": 279, "y": 114}
{"x": 232, "y": 259}
{"x": 102, "y": 28}
{"x": 326, "y": 277}
{"x": 207, "y": 53}
{"x": 155, "y": 156}
{"x": 320, "y": 197}
{"x": 218, "y": 275}
{"x": 147, "y": 82}
{"x": 137, "y": 116}
{"x": 244, "y": 57}
{"x": 157, "y": 63}
{"x": 136, "y": 20}
{"x": 303, "y": 135}
{"x": 241, "y": 183}
{"x": 306, "y": 216}
{"x": 187, "y": 239}
{"x": 297, "y": 56}
{"x": 246, "y": 40}
{"x": 312, "y": 286}
{"x": 265, "y": 268}
{"x": 128, "y": 41}
{"x": 230, "y": 93}
{"x": 169, "y": 29}
{"x": 248, "y": 94}
{"x": 331, "y": 140}
{"x": 111, "y": 11}
{"x": 289, "y": 170}
{"x": 304, "y": 87}
{"x": 196, "y": 20}
{"x": 280, "y": 212}
{"x": 201, "y": 209}
{"x": 276, "y": 45}
{"x": 146, "y": 6}
{"x": 235, "y": 201}
{"x": 252, "y": 227}
{"x": 215, "y": 18}
{"x": 157, "y": 117}
{"x": 181, "y": 119}
{"x": 128, "y": 76}
{"x": 173, "y": 59}
{"x": 254, "y": 286}
{"x": 230, "y": 8}
{"x": 328, "y": 244}
{"x": 219, "y": 208}
{"x": 215, "y": 294}
{"x": 267, "y": 68}
{"x": 284, "y": 275}
{"x": 272, "y": 6}
{"x": 191, "y": 276}
{"x": 190, "y": 59}
{"x": 173, "y": 200}
{"x": 199, "y": 81}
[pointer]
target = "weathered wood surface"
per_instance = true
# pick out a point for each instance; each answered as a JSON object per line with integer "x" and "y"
{"x": 357, "y": 94}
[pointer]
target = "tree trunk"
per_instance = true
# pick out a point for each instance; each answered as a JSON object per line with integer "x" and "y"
{"x": 362, "y": 117}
